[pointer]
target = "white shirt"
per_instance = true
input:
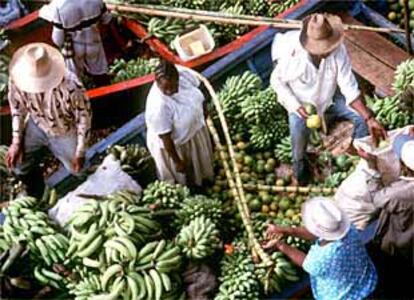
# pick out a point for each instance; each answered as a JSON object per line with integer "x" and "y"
{"x": 181, "y": 114}
{"x": 87, "y": 43}
{"x": 296, "y": 80}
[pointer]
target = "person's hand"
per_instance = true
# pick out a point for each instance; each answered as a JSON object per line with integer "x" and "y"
{"x": 77, "y": 163}
{"x": 371, "y": 159}
{"x": 180, "y": 166}
{"x": 273, "y": 230}
{"x": 275, "y": 244}
{"x": 302, "y": 112}
{"x": 377, "y": 131}
{"x": 14, "y": 155}
{"x": 411, "y": 132}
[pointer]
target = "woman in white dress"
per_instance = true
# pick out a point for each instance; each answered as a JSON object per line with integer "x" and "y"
{"x": 177, "y": 135}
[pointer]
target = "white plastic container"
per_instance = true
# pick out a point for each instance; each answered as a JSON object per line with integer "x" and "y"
{"x": 194, "y": 44}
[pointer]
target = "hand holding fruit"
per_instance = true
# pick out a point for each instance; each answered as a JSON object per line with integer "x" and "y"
{"x": 376, "y": 130}
{"x": 302, "y": 112}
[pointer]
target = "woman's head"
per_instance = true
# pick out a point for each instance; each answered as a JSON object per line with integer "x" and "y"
{"x": 166, "y": 77}
{"x": 324, "y": 219}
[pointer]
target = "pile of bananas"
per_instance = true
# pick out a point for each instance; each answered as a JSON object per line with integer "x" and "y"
{"x": 197, "y": 206}
{"x": 232, "y": 94}
{"x": 4, "y": 78}
{"x": 134, "y": 159}
{"x": 404, "y": 76}
{"x": 238, "y": 279}
{"x": 146, "y": 274}
{"x": 199, "y": 239}
{"x": 113, "y": 224}
{"x": 10, "y": 186}
{"x": 264, "y": 137}
{"x": 388, "y": 111}
{"x": 282, "y": 273}
{"x": 261, "y": 107}
{"x": 25, "y": 224}
{"x": 283, "y": 150}
{"x": 165, "y": 195}
{"x": 122, "y": 70}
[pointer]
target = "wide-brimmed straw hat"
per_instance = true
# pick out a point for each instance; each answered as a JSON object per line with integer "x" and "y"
{"x": 37, "y": 68}
{"x": 324, "y": 219}
{"x": 321, "y": 33}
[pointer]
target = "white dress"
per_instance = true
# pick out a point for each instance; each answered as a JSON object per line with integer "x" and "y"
{"x": 182, "y": 115}
{"x": 82, "y": 18}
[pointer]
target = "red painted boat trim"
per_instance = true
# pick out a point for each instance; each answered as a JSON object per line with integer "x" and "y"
{"x": 27, "y": 19}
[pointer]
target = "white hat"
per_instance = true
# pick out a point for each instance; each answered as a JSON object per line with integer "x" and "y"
{"x": 324, "y": 219}
{"x": 37, "y": 68}
{"x": 407, "y": 154}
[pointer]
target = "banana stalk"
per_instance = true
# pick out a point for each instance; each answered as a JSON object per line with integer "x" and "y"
{"x": 290, "y": 189}
{"x": 236, "y": 186}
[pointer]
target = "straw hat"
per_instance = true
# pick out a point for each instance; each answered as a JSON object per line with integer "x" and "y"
{"x": 321, "y": 33}
{"x": 37, "y": 68}
{"x": 324, "y": 219}
{"x": 404, "y": 149}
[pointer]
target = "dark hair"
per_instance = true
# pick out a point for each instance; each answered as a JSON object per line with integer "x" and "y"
{"x": 166, "y": 70}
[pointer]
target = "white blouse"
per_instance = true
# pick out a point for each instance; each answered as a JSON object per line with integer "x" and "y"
{"x": 181, "y": 114}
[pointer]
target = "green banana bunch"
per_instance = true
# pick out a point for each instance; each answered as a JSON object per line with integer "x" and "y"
{"x": 199, "y": 239}
{"x": 233, "y": 92}
{"x": 279, "y": 277}
{"x": 388, "y": 111}
{"x": 134, "y": 159}
{"x": 257, "y": 7}
{"x": 403, "y": 76}
{"x": 335, "y": 179}
{"x": 164, "y": 256}
{"x": 10, "y": 186}
{"x": 86, "y": 287}
{"x": 265, "y": 137}
{"x": 197, "y": 206}
{"x": 279, "y": 7}
{"x": 116, "y": 225}
{"x": 124, "y": 70}
{"x": 261, "y": 107}
{"x": 168, "y": 28}
{"x": 165, "y": 195}
{"x": 24, "y": 223}
{"x": 283, "y": 150}
{"x": 49, "y": 278}
{"x": 238, "y": 279}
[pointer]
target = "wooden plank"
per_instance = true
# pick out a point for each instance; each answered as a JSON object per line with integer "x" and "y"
{"x": 375, "y": 44}
{"x": 370, "y": 68}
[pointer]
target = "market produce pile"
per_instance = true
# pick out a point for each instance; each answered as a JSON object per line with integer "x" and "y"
{"x": 396, "y": 12}
{"x": 10, "y": 186}
{"x": 397, "y": 111}
{"x": 166, "y": 29}
{"x": 122, "y": 70}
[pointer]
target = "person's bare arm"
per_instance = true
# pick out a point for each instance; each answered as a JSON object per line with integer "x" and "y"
{"x": 172, "y": 151}
{"x": 295, "y": 255}
{"x": 375, "y": 128}
{"x": 300, "y": 232}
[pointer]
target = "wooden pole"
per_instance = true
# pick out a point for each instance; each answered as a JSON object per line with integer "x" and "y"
{"x": 407, "y": 27}
{"x": 208, "y": 16}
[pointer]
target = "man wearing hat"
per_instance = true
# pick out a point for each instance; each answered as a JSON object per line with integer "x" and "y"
{"x": 338, "y": 264}
{"x": 313, "y": 67}
{"x": 48, "y": 108}
{"x": 76, "y": 31}
{"x": 363, "y": 194}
